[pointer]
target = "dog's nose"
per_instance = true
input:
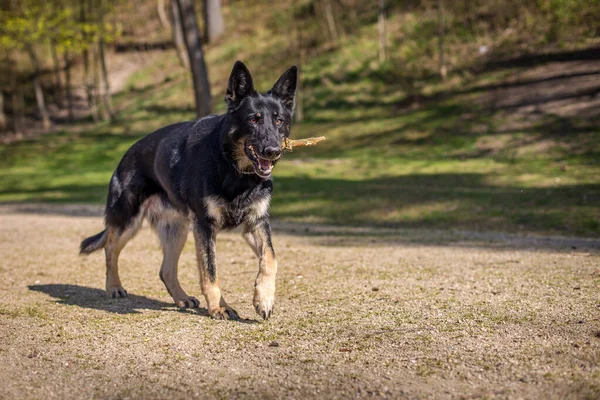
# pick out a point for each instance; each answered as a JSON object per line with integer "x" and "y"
{"x": 272, "y": 152}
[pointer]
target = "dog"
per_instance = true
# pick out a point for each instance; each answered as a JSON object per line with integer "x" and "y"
{"x": 213, "y": 173}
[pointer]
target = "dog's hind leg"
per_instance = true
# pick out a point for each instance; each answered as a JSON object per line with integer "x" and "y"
{"x": 172, "y": 228}
{"x": 116, "y": 239}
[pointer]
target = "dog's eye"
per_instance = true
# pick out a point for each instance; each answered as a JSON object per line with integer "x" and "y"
{"x": 255, "y": 118}
{"x": 278, "y": 122}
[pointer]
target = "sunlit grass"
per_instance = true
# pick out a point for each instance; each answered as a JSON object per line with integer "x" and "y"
{"x": 437, "y": 162}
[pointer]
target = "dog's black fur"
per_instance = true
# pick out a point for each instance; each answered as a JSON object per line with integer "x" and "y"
{"x": 215, "y": 171}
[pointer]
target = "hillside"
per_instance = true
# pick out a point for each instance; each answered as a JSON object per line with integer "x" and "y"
{"x": 509, "y": 142}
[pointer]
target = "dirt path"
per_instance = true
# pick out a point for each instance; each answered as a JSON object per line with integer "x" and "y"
{"x": 360, "y": 313}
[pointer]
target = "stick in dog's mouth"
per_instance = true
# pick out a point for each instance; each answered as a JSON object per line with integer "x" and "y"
{"x": 289, "y": 144}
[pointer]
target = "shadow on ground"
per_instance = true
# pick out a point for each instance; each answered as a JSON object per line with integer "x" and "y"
{"x": 97, "y": 299}
{"x": 347, "y": 236}
{"x": 86, "y": 297}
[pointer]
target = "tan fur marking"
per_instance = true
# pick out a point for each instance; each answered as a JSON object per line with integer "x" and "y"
{"x": 258, "y": 209}
{"x": 215, "y": 207}
{"x": 249, "y": 237}
{"x": 243, "y": 163}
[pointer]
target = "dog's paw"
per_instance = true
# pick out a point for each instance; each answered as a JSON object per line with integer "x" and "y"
{"x": 264, "y": 299}
{"x": 187, "y": 302}
{"x": 224, "y": 313}
{"x": 116, "y": 292}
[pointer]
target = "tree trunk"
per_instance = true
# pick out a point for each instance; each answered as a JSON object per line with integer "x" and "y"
{"x": 162, "y": 15}
{"x": 68, "y": 91}
{"x": 57, "y": 79}
{"x": 87, "y": 83}
{"x": 381, "y": 28}
{"x": 89, "y": 86}
{"x": 177, "y": 32}
{"x": 106, "y": 96}
{"x": 443, "y": 71}
{"x": 96, "y": 82}
{"x": 298, "y": 29}
{"x": 213, "y": 20}
{"x": 328, "y": 9}
{"x": 2, "y": 113}
{"x": 17, "y": 109}
{"x": 196, "y": 57}
{"x": 39, "y": 91}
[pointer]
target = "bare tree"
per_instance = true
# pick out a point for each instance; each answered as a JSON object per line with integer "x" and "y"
{"x": 297, "y": 28}
{"x": 196, "y": 57}
{"x": 106, "y": 97}
{"x": 443, "y": 71}
{"x": 68, "y": 89}
{"x": 39, "y": 91}
{"x": 177, "y": 33}
{"x": 17, "y": 107}
{"x": 381, "y": 29}
{"x": 213, "y": 20}
{"x": 2, "y": 113}
{"x": 86, "y": 66}
{"x": 162, "y": 15}
{"x": 328, "y": 11}
{"x": 57, "y": 79}
{"x": 97, "y": 96}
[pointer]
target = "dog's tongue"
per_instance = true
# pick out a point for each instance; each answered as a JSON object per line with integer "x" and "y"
{"x": 264, "y": 165}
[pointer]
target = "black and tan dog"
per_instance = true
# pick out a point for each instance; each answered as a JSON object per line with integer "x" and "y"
{"x": 214, "y": 173}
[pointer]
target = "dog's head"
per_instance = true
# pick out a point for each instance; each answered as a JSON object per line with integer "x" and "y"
{"x": 259, "y": 121}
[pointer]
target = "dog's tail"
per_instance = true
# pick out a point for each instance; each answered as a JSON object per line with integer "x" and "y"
{"x": 93, "y": 243}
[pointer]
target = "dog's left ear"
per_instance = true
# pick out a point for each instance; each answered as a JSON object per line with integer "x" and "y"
{"x": 285, "y": 87}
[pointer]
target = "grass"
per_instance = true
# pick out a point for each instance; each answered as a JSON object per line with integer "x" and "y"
{"x": 435, "y": 156}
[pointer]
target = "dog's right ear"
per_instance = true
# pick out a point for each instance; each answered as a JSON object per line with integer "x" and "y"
{"x": 240, "y": 85}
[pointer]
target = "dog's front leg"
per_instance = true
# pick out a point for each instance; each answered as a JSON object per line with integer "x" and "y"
{"x": 264, "y": 286}
{"x": 205, "y": 235}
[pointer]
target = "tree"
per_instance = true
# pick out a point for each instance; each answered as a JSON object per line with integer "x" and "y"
{"x": 443, "y": 71}
{"x": 57, "y": 78}
{"x": 213, "y": 20}
{"x": 177, "y": 33}
{"x": 191, "y": 36}
{"x": 329, "y": 17}
{"x": 68, "y": 91}
{"x": 39, "y": 91}
{"x": 2, "y": 113}
{"x": 106, "y": 97}
{"x": 298, "y": 29}
{"x": 381, "y": 29}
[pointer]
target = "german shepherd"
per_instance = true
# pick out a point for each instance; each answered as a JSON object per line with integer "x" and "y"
{"x": 213, "y": 173}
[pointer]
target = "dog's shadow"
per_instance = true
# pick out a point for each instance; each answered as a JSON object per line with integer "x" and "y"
{"x": 97, "y": 299}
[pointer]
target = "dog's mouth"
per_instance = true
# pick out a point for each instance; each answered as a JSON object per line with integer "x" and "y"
{"x": 263, "y": 166}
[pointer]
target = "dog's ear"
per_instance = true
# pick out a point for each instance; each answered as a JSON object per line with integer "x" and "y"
{"x": 240, "y": 85}
{"x": 285, "y": 87}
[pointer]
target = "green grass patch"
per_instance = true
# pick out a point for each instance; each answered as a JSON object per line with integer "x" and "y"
{"x": 402, "y": 150}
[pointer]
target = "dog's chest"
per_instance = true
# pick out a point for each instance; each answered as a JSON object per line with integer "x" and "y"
{"x": 230, "y": 214}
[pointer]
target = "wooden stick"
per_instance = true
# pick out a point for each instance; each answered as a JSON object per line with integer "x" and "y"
{"x": 289, "y": 144}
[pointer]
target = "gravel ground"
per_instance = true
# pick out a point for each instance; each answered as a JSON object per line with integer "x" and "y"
{"x": 360, "y": 313}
